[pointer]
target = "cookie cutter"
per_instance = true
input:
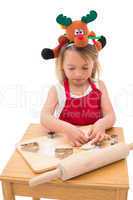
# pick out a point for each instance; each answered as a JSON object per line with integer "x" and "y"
{"x": 31, "y": 146}
{"x": 110, "y": 141}
{"x": 63, "y": 152}
{"x": 114, "y": 139}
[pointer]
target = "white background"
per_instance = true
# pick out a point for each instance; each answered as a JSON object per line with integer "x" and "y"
{"x": 27, "y": 26}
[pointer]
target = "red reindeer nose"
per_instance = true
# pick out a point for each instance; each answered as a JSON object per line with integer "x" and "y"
{"x": 80, "y": 37}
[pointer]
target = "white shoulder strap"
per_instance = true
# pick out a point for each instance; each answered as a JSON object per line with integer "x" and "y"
{"x": 61, "y": 98}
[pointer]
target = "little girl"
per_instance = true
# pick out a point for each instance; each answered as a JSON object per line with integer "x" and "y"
{"x": 78, "y": 99}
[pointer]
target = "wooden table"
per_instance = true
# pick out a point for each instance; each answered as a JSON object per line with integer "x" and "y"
{"x": 110, "y": 182}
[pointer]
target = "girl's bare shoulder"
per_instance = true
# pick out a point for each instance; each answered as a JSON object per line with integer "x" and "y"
{"x": 52, "y": 94}
{"x": 56, "y": 90}
{"x": 100, "y": 84}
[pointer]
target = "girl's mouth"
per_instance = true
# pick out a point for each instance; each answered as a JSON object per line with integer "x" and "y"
{"x": 78, "y": 79}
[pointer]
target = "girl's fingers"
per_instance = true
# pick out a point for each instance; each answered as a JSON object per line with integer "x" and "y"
{"x": 82, "y": 139}
{"x": 85, "y": 138}
{"x": 96, "y": 139}
{"x": 92, "y": 135}
{"x": 93, "y": 138}
{"x": 86, "y": 135}
{"x": 77, "y": 144}
{"x": 73, "y": 144}
{"x": 101, "y": 137}
{"x": 89, "y": 132}
{"x": 107, "y": 136}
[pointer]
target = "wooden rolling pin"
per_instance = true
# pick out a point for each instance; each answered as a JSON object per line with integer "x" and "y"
{"x": 82, "y": 162}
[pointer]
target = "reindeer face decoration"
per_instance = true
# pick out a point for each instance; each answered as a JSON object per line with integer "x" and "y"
{"x": 77, "y": 32}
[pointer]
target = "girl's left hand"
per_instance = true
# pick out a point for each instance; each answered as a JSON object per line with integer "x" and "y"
{"x": 97, "y": 134}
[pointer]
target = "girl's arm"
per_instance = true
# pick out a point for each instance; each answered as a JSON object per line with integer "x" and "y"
{"x": 47, "y": 119}
{"x": 108, "y": 120}
{"x": 56, "y": 125}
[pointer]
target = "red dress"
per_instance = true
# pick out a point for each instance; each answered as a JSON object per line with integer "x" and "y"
{"x": 83, "y": 110}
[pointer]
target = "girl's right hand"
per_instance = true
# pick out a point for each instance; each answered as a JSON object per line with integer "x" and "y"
{"x": 77, "y": 137}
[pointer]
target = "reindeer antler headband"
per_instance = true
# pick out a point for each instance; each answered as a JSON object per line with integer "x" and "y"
{"x": 77, "y": 32}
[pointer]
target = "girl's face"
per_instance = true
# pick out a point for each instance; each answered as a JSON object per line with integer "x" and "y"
{"x": 76, "y": 69}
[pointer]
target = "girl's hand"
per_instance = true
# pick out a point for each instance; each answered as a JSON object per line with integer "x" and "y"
{"x": 98, "y": 133}
{"x": 77, "y": 137}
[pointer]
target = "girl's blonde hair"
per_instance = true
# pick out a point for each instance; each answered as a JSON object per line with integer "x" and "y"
{"x": 87, "y": 52}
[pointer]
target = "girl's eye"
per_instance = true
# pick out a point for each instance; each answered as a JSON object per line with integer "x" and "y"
{"x": 71, "y": 68}
{"x": 85, "y": 68}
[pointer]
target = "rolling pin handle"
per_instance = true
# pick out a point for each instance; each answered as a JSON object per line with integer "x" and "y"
{"x": 45, "y": 177}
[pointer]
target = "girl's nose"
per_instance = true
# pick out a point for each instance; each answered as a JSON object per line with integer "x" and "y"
{"x": 78, "y": 74}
